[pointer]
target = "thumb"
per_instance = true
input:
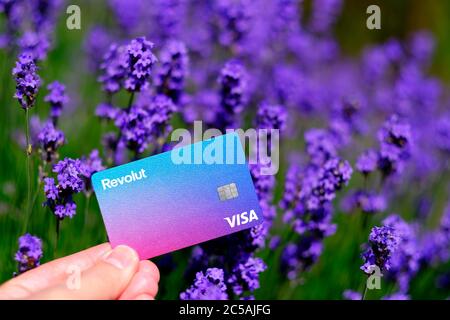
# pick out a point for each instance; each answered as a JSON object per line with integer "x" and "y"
{"x": 107, "y": 279}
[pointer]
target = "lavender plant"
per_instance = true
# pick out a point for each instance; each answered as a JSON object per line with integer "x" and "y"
{"x": 29, "y": 254}
{"x": 270, "y": 65}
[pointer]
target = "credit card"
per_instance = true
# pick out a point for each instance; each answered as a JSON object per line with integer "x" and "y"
{"x": 179, "y": 198}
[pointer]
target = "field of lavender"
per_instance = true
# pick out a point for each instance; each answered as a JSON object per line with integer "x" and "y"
{"x": 364, "y": 117}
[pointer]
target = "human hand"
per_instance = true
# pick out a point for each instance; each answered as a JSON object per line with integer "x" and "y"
{"x": 105, "y": 273}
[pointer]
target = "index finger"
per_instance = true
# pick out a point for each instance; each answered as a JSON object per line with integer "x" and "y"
{"x": 52, "y": 273}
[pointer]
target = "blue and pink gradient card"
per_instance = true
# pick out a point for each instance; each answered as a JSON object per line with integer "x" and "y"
{"x": 179, "y": 198}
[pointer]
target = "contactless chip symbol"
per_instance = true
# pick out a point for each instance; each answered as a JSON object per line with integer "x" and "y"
{"x": 228, "y": 192}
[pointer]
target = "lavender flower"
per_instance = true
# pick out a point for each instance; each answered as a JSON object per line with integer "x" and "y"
{"x": 264, "y": 184}
{"x": 311, "y": 212}
{"x": 134, "y": 127}
{"x": 107, "y": 111}
{"x": 271, "y": 117}
{"x": 422, "y": 46}
{"x": 29, "y": 25}
{"x": 160, "y": 110}
{"x": 245, "y": 275}
{"x": 140, "y": 62}
{"x": 90, "y": 165}
{"x": 287, "y": 18}
{"x": 434, "y": 246}
{"x": 14, "y": 12}
{"x": 383, "y": 241}
{"x": 57, "y": 98}
{"x": 397, "y": 296}
{"x": 233, "y": 90}
{"x": 207, "y": 286}
{"x": 233, "y": 21}
{"x": 320, "y": 146}
{"x": 27, "y": 81}
{"x": 30, "y": 252}
{"x": 171, "y": 76}
{"x": 443, "y": 134}
{"x": 404, "y": 261}
{"x": 50, "y": 140}
{"x": 96, "y": 45}
{"x": 367, "y": 162}
{"x": 45, "y": 13}
{"x": 324, "y": 14}
{"x": 69, "y": 173}
{"x": 352, "y": 295}
{"x": 366, "y": 201}
{"x": 113, "y": 68}
{"x": 128, "y": 67}
{"x": 395, "y": 143}
{"x": 169, "y": 16}
{"x": 129, "y": 13}
{"x": 145, "y": 122}
{"x": 291, "y": 187}
{"x": 35, "y": 44}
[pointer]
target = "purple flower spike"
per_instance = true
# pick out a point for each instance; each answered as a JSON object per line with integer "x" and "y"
{"x": 271, "y": 117}
{"x": 106, "y": 111}
{"x": 128, "y": 67}
{"x": 383, "y": 241}
{"x": 246, "y": 275}
{"x": 30, "y": 252}
{"x": 207, "y": 286}
{"x": 69, "y": 174}
{"x": 367, "y": 202}
{"x": 50, "y": 140}
{"x": 65, "y": 210}
{"x": 367, "y": 162}
{"x": 324, "y": 14}
{"x": 233, "y": 21}
{"x": 50, "y": 189}
{"x": 140, "y": 62}
{"x": 91, "y": 164}
{"x": 320, "y": 146}
{"x": 352, "y": 295}
{"x": 70, "y": 181}
{"x": 170, "y": 79}
{"x": 27, "y": 81}
{"x": 113, "y": 68}
{"x": 35, "y": 44}
{"x": 395, "y": 145}
{"x": 233, "y": 90}
{"x": 57, "y": 98}
{"x": 443, "y": 134}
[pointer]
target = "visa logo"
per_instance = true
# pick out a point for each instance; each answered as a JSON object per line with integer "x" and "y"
{"x": 240, "y": 219}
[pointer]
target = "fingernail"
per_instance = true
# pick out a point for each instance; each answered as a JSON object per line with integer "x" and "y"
{"x": 121, "y": 257}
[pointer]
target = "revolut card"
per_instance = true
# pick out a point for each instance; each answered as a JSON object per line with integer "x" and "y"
{"x": 179, "y": 198}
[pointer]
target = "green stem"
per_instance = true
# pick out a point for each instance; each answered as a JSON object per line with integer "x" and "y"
{"x": 58, "y": 225}
{"x": 119, "y": 136}
{"x": 86, "y": 208}
{"x": 365, "y": 291}
{"x": 365, "y": 220}
{"x": 130, "y": 101}
{"x": 35, "y": 196}
{"x": 28, "y": 151}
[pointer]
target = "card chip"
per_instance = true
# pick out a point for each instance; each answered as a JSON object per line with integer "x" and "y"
{"x": 228, "y": 192}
